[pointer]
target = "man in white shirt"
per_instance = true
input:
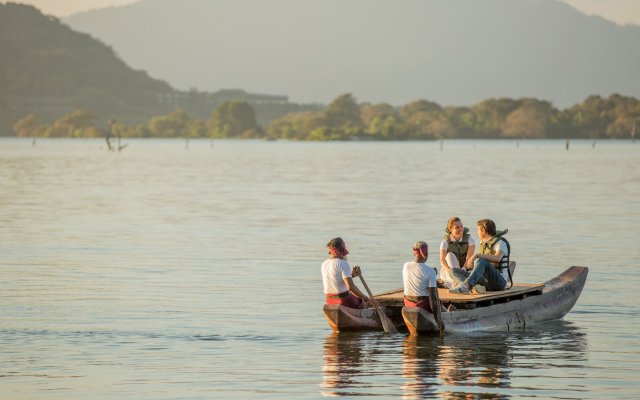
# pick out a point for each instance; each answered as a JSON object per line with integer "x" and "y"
{"x": 488, "y": 263}
{"x": 337, "y": 277}
{"x": 420, "y": 289}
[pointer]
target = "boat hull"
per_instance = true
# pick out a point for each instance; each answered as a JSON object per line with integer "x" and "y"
{"x": 551, "y": 302}
{"x": 554, "y": 302}
{"x": 342, "y": 318}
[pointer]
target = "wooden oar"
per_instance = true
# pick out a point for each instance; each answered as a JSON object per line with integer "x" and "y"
{"x": 388, "y": 326}
{"x": 437, "y": 313}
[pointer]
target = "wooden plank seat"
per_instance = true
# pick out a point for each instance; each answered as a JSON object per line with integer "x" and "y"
{"x": 394, "y": 298}
{"x": 466, "y": 301}
{"x": 519, "y": 290}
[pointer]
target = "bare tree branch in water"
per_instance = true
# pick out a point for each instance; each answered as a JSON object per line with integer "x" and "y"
{"x": 119, "y": 147}
{"x": 108, "y": 136}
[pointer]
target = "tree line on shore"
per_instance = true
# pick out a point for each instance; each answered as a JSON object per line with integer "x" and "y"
{"x": 345, "y": 119}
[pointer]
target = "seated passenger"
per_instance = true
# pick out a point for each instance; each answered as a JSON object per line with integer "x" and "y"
{"x": 337, "y": 277}
{"x": 490, "y": 266}
{"x": 456, "y": 250}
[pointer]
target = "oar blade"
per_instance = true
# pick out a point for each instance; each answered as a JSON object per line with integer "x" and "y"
{"x": 387, "y": 324}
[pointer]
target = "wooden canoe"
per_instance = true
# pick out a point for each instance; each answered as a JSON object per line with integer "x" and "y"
{"x": 342, "y": 318}
{"x": 515, "y": 308}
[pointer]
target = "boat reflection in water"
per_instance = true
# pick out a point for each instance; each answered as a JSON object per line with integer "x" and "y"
{"x": 474, "y": 366}
{"x": 469, "y": 366}
{"x": 454, "y": 368}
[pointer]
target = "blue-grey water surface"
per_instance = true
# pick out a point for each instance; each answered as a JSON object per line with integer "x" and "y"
{"x": 163, "y": 272}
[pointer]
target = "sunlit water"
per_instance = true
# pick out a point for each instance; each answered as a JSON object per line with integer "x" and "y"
{"x": 170, "y": 273}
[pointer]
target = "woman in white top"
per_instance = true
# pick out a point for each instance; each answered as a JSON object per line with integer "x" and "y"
{"x": 456, "y": 250}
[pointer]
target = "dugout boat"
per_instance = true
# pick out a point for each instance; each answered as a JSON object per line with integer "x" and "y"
{"x": 515, "y": 308}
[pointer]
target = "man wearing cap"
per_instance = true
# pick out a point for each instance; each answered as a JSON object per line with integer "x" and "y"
{"x": 337, "y": 277}
{"x": 420, "y": 289}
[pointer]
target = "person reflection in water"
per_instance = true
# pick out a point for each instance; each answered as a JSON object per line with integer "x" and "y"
{"x": 341, "y": 364}
{"x": 420, "y": 366}
{"x": 337, "y": 277}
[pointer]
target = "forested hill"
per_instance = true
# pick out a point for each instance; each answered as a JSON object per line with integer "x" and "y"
{"x": 453, "y": 52}
{"x": 46, "y": 66}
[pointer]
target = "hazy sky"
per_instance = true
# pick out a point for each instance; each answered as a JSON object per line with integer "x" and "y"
{"x": 620, "y": 11}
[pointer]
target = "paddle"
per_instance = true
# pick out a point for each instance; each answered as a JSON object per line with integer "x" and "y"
{"x": 386, "y": 322}
{"x": 437, "y": 313}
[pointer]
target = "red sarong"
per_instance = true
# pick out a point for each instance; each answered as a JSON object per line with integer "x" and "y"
{"x": 424, "y": 304}
{"x": 350, "y": 301}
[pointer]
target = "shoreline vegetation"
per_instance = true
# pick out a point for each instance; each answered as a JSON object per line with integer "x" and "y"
{"x": 57, "y": 82}
{"x": 345, "y": 119}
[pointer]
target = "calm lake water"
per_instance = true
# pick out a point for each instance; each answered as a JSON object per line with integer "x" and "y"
{"x": 170, "y": 273}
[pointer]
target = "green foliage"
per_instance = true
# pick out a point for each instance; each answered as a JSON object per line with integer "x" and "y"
{"x": 591, "y": 118}
{"x": 420, "y": 107}
{"x": 368, "y": 112}
{"x": 530, "y": 120}
{"x": 27, "y": 126}
{"x": 234, "y": 119}
{"x": 176, "y": 124}
{"x": 492, "y": 118}
{"x": 343, "y": 113}
{"x": 463, "y": 121}
{"x": 132, "y": 131}
{"x": 596, "y": 117}
{"x": 75, "y": 124}
{"x": 82, "y": 124}
{"x": 490, "y": 115}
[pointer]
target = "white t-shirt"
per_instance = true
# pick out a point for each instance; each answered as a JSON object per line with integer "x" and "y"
{"x": 453, "y": 263}
{"x": 418, "y": 278}
{"x": 502, "y": 246}
{"x": 445, "y": 243}
{"x": 334, "y": 270}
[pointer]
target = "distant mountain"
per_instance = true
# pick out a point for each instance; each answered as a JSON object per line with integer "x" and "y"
{"x": 47, "y": 67}
{"x": 454, "y": 52}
